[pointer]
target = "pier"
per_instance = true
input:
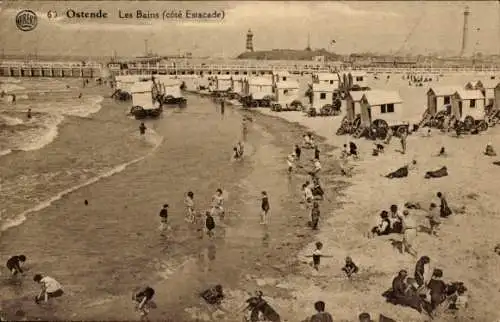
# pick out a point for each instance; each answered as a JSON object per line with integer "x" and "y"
{"x": 232, "y": 67}
{"x": 49, "y": 69}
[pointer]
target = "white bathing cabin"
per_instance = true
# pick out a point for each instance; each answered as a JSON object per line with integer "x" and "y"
{"x": 125, "y": 82}
{"x": 487, "y": 87}
{"x": 223, "y": 82}
{"x": 353, "y": 104}
{"x": 354, "y": 78}
{"x": 322, "y": 95}
{"x": 439, "y": 97}
{"x": 281, "y": 76}
{"x": 381, "y": 105}
{"x": 239, "y": 84}
{"x": 142, "y": 94}
{"x": 260, "y": 87}
{"x": 468, "y": 103}
{"x": 331, "y": 79}
{"x": 287, "y": 91}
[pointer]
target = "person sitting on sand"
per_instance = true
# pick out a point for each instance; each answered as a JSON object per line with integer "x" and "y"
{"x": 14, "y": 264}
{"x": 143, "y": 298}
{"x": 437, "y": 288}
{"x": 316, "y": 255}
{"x": 489, "y": 151}
{"x": 442, "y": 152}
{"x": 213, "y": 295}
{"x": 142, "y": 129}
{"x": 50, "y": 288}
{"x": 444, "y": 209}
{"x": 384, "y": 227}
{"x": 349, "y": 268}
{"x": 422, "y": 271}
{"x": 459, "y": 300}
{"x": 434, "y": 220}
{"x": 396, "y": 220}
{"x": 321, "y": 315}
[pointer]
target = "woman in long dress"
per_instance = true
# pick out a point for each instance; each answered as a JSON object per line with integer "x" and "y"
{"x": 409, "y": 233}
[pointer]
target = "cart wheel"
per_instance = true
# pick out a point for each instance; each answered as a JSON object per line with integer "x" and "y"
{"x": 469, "y": 122}
{"x": 482, "y": 126}
{"x": 357, "y": 121}
{"x": 381, "y": 124}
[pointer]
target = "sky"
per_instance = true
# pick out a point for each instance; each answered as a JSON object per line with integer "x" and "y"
{"x": 385, "y": 27}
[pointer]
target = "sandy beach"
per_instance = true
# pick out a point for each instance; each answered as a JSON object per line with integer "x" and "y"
{"x": 464, "y": 248}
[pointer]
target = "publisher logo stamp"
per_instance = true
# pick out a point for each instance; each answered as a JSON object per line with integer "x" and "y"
{"x": 26, "y": 20}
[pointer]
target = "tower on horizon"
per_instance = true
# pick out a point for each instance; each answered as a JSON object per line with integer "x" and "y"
{"x": 308, "y": 48}
{"x": 465, "y": 31}
{"x": 249, "y": 46}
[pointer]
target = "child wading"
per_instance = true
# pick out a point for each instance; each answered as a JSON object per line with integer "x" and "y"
{"x": 316, "y": 255}
{"x": 14, "y": 264}
{"x": 189, "y": 202}
{"x": 143, "y": 298}
{"x": 142, "y": 129}
{"x": 164, "y": 219}
{"x": 50, "y": 288}
{"x": 265, "y": 209}
{"x": 209, "y": 224}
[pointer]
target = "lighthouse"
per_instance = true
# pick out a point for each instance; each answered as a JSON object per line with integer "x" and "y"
{"x": 249, "y": 41}
{"x": 465, "y": 31}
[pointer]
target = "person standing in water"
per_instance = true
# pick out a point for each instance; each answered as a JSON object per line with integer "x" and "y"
{"x": 189, "y": 202}
{"x": 142, "y": 128}
{"x": 265, "y": 208}
{"x": 142, "y": 298}
{"x": 404, "y": 136}
{"x": 14, "y": 264}
{"x": 298, "y": 151}
{"x": 222, "y": 107}
{"x": 28, "y": 114}
{"x": 218, "y": 203}
{"x": 164, "y": 219}
{"x": 50, "y": 288}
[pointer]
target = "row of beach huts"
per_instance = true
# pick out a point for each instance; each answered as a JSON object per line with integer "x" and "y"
{"x": 371, "y": 113}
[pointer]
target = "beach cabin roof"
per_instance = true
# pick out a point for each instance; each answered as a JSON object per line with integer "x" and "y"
{"x": 379, "y": 97}
{"x": 490, "y": 83}
{"x": 260, "y": 81}
{"x": 287, "y": 84}
{"x": 239, "y": 77}
{"x": 356, "y": 73}
{"x": 141, "y": 87}
{"x": 473, "y": 84}
{"x": 322, "y": 87}
{"x": 169, "y": 82}
{"x": 472, "y": 94}
{"x": 224, "y": 77}
{"x": 281, "y": 73}
{"x": 327, "y": 76}
{"x": 443, "y": 90}
{"x": 356, "y": 96}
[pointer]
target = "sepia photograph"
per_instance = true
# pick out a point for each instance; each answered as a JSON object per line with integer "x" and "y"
{"x": 245, "y": 161}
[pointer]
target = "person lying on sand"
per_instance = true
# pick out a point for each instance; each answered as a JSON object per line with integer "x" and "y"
{"x": 14, "y": 264}
{"x": 143, "y": 298}
{"x": 317, "y": 255}
{"x": 489, "y": 151}
{"x": 349, "y": 268}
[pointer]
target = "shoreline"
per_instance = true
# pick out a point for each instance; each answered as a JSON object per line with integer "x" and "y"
{"x": 366, "y": 194}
